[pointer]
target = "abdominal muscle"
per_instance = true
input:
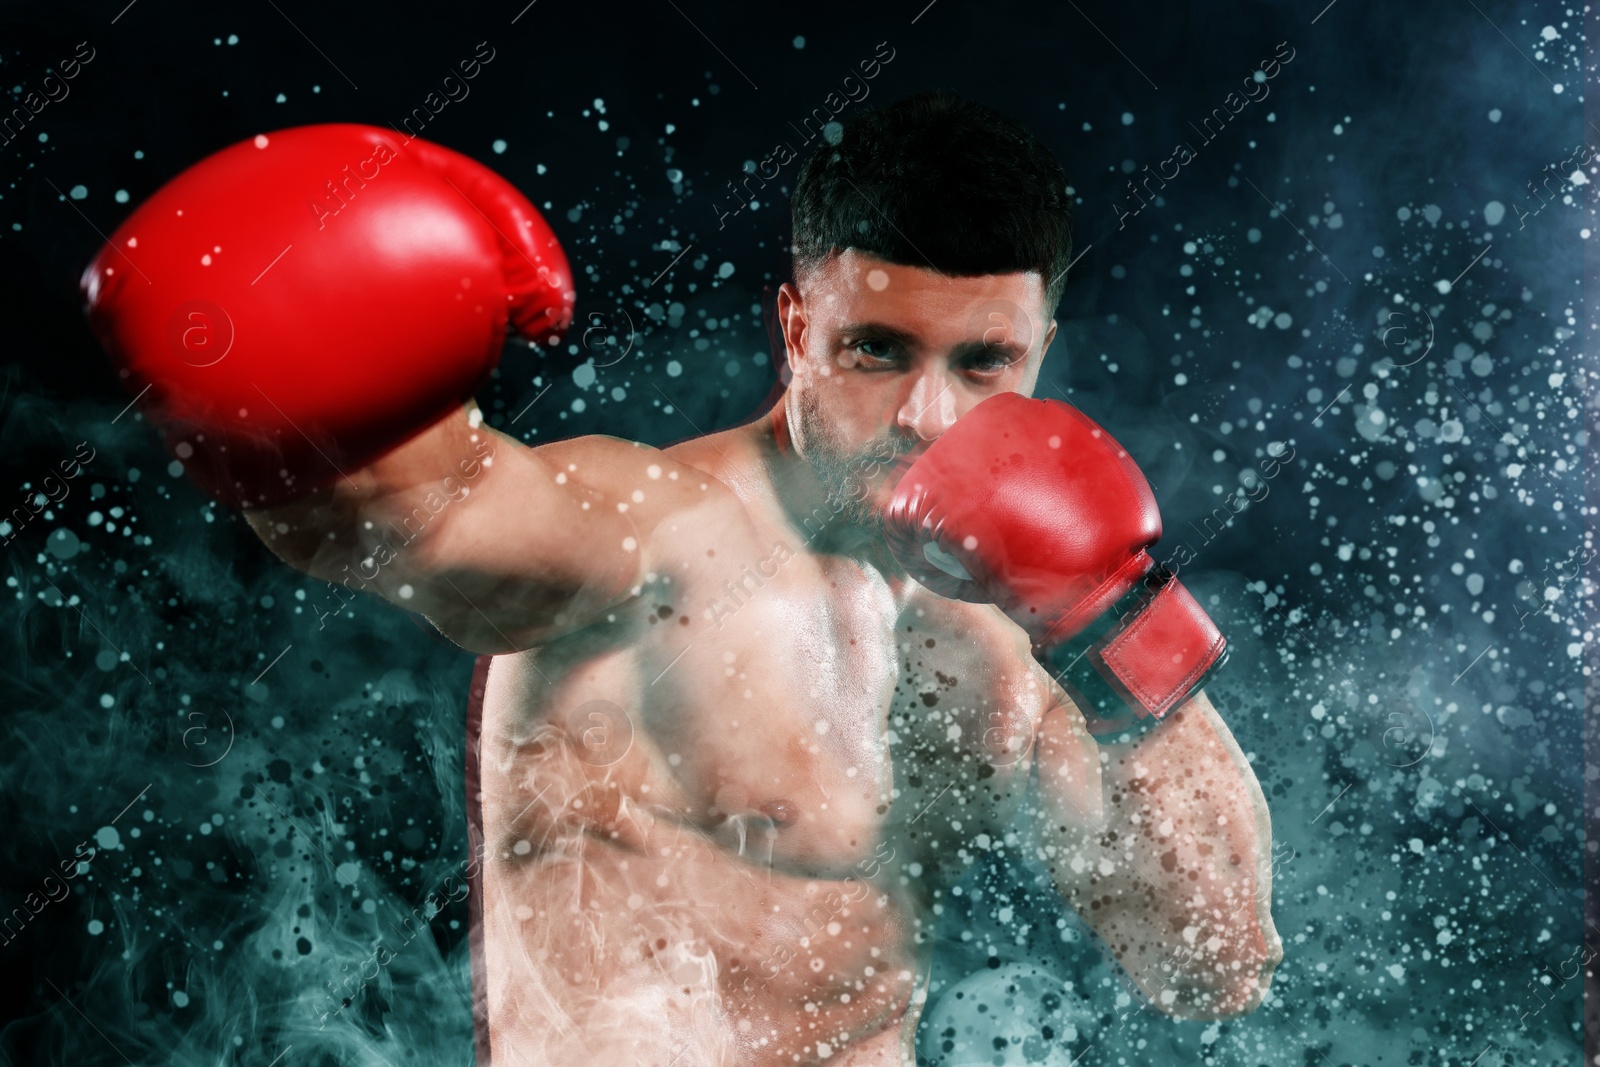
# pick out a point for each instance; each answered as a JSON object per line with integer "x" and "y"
{"x": 615, "y": 931}
{"x": 590, "y": 960}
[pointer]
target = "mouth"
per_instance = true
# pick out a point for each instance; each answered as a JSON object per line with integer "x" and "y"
{"x": 902, "y": 463}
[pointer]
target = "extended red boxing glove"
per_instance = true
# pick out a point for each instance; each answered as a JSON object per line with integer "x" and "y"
{"x": 299, "y": 303}
{"x": 1027, "y": 504}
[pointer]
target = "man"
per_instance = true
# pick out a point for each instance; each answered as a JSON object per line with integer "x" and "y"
{"x": 733, "y": 749}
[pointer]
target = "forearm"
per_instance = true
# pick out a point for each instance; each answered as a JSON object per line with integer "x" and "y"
{"x": 1172, "y": 873}
{"x": 465, "y": 526}
{"x": 1193, "y": 818}
{"x": 329, "y": 533}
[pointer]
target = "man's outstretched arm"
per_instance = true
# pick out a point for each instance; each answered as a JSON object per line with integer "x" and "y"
{"x": 500, "y": 545}
{"x": 323, "y": 394}
{"x": 1162, "y": 844}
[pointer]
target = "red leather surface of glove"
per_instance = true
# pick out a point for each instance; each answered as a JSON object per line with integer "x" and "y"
{"x": 1029, "y": 505}
{"x": 1045, "y": 511}
{"x": 298, "y": 303}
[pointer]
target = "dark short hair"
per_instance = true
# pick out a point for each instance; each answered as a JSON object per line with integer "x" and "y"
{"x": 937, "y": 181}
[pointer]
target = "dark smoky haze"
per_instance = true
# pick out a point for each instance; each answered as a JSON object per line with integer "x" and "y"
{"x": 1330, "y": 294}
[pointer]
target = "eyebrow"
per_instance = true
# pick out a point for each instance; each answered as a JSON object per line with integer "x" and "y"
{"x": 882, "y": 331}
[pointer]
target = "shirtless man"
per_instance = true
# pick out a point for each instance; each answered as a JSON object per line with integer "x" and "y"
{"x": 734, "y": 750}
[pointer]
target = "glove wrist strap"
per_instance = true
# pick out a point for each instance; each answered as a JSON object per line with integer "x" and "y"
{"x": 1151, "y": 651}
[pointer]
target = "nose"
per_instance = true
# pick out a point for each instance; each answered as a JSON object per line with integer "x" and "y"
{"x": 929, "y": 407}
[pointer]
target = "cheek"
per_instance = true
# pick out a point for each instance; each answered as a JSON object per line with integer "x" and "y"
{"x": 840, "y": 394}
{"x": 855, "y": 406}
{"x": 1026, "y": 377}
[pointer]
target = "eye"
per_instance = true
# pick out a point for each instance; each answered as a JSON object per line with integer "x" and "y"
{"x": 992, "y": 361}
{"x": 873, "y": 349}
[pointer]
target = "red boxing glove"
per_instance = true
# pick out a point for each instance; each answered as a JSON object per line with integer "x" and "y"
{"x": 1027, "y": 504}
{"x": 294, "y": 306}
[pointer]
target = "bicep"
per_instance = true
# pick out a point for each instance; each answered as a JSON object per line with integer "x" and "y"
{"x": 1254, "y": 796}
{"x": 561, "y": 535}
{"x": 537, "y": 547}
{"x": 1241, "y": 765}
{"x": 1067, "y": 758}
{"x": 1068, "y": 808}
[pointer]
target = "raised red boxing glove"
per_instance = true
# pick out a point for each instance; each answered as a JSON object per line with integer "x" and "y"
{"x": 1027, "y": 504}
{"x": 299, "y": 303}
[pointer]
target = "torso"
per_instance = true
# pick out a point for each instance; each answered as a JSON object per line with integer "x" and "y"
{"x": 715, "y": 823}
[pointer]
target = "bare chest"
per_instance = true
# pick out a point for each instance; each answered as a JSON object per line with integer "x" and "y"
{"x": 801, "y": 714}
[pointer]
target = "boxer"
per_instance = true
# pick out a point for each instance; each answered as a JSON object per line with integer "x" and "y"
{"x": 756, "y": 700}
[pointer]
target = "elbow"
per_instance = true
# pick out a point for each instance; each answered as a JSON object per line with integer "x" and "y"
{"x": 1218, "y": 1001}
{"x": 1232, "y": 989}
{"x": 1240, "y": 997}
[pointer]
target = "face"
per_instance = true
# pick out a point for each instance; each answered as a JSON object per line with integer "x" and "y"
{"x": 886, "y": 357}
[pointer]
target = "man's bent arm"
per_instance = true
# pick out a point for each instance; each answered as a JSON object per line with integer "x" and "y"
{"x": 1172, "y": 871}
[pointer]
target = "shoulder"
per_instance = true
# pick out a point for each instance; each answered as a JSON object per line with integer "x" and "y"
{"x": 682, "y": 506}
{"x": 637, "y": 478}
{"x": 727, "y": 464}
{"x": 735, "y": 457}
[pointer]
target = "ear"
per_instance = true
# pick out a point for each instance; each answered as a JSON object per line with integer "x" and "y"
{"x": 792, "y": 321}
{"x": 1049, "y": 335}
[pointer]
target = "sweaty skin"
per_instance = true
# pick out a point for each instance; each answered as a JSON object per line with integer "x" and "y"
{"x": 732, "y": 757}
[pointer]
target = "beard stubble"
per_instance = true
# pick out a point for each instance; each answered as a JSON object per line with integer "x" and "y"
{"x": 847, "y": 475}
